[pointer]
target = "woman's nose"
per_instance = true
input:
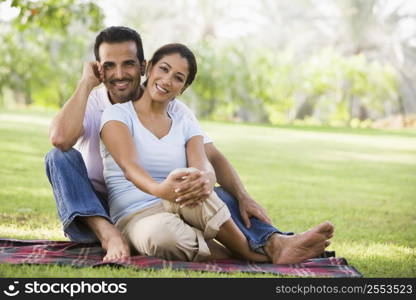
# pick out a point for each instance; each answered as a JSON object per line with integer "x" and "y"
{"x": 166, "y": 81}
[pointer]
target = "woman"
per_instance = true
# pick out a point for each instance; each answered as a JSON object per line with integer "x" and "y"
{"x": 145, "y": 148}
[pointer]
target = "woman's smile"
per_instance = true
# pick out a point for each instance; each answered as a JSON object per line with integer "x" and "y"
{"x": 161, "y": 89}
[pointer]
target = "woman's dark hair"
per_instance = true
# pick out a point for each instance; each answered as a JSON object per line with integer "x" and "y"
{"x": 183, "y": 51}
{"x": 119, "y": 34}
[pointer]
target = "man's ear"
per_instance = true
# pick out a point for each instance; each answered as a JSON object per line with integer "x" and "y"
{"x": 143, "y": 68}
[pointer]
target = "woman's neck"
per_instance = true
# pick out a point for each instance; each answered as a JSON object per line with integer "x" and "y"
{"x": 147, "y": 106}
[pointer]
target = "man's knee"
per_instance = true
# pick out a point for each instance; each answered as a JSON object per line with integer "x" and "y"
{"x": 226, "y": 197}
{"x": 58, "y": 157}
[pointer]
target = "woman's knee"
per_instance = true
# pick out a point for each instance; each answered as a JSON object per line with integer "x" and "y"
{"x": 164, "y": 235}
{"x": 154, "y": 233}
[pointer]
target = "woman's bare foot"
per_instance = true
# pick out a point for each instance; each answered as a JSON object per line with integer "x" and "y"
{"x": 111, "y": 239}
{"x": 283, "y": 249}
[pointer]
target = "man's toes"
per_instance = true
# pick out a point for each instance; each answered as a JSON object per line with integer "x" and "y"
{"x": 326, "y": 228}
{"x": 330, "y": 227}
{"x": 106, "y": 258}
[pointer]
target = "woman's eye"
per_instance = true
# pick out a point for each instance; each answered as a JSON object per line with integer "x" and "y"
{"x": 164, "y": 69}
{"x": 180, "y": 79}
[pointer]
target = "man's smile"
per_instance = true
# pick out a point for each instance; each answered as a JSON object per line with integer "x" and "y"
{"x": 120, "y": 84}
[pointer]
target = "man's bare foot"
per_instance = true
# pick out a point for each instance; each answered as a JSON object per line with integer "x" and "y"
{"x": 115, "y": 245}
{"x": 283, "y": 249}
{"x": 111, "y": 239}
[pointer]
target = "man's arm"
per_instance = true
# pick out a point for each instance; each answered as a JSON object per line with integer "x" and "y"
{"x": 228, "y": 178}
{"x": 67, "y": 126}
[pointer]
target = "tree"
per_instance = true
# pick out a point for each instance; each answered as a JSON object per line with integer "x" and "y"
{"x": 44, "y": 47}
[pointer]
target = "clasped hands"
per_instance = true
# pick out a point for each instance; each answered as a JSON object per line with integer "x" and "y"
{"x": 187, "y": 187}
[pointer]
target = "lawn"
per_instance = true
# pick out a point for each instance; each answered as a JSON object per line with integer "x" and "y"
{"x": 363, "y": 181}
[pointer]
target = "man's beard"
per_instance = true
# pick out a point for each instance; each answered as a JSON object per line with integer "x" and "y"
{"x": 120, "y": 96}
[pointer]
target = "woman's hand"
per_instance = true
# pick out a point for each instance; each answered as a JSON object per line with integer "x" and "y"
{"x": 168, "y": 187}
{"x": 195, "y": 188}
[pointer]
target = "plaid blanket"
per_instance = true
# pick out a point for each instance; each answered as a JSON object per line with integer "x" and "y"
{"x": 14, "y": 251}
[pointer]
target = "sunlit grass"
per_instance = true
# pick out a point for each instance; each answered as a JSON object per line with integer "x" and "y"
{"x": 363, "y": 181}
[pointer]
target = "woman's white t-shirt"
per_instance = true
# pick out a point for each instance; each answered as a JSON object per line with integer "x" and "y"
{"x": 158, "y": 157}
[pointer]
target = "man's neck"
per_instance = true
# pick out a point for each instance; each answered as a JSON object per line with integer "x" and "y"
{"x": 114, "y": 100}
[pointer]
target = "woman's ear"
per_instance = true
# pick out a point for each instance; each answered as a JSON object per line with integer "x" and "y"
{"x": 143, "y": 68}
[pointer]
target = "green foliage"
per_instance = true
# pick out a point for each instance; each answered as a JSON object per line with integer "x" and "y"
{"x": 53, "y": 15}
{"x": 44, "y": 47}
{"x": 237, "y": 82}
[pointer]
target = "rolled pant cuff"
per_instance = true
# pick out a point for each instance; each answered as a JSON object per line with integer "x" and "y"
{"x": 203, "y": 250}
{"x": 69, "y": 220}
{"x": 214, "y": 224}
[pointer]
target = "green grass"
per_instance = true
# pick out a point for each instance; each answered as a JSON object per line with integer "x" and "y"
{"x": 363, "y": 181}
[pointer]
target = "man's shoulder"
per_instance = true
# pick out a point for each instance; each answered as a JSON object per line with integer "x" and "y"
{"x": 99, "y": 97}
{"x": 178, "y": 107}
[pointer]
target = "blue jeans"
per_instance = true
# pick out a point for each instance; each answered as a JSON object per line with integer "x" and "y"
{"x": 75, "y": 197}
{"x": 259, "y": 231}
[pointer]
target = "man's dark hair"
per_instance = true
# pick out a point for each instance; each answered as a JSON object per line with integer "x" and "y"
{"x": 119, "y": 34}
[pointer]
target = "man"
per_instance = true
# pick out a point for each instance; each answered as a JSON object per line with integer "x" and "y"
{"x": 76, "y": 175}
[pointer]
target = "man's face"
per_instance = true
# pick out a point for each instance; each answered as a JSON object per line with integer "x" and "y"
{"x": 122, "y": 70}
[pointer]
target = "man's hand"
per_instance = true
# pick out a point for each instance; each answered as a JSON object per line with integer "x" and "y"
{"x": 194, "y": 189}
{"x": 250, "y": 208}
{"x": 92, "y": 73}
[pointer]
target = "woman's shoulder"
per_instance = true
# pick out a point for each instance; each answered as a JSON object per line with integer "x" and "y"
{"x": 125, "y": 107}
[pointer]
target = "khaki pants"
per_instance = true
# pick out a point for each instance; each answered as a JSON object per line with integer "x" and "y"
{"x": 167, "y": 231}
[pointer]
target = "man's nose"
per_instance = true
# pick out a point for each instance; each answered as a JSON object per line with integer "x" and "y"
{"x": 119, "y": 72}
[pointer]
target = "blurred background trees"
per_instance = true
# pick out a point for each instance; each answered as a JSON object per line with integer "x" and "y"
{"x": 347, "y": 62}
{"x": 42, "y": 48}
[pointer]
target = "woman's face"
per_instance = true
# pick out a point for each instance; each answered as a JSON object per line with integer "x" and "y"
{"x": 167, "y": 77}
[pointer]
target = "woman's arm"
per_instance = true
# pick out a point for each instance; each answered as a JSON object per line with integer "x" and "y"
{"x": 118, "y": 141}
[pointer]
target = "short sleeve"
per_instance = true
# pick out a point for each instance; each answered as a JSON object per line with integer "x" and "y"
{"x": 191, "y": 128}
{"x": 88, "y": 121}
{"x": 115, "y": 113}
{"x": 192, "y": 124}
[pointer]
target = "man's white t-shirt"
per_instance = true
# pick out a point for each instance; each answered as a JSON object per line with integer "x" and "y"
{"x": 157, "y": 156}
{"x": 89, "y": 143}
